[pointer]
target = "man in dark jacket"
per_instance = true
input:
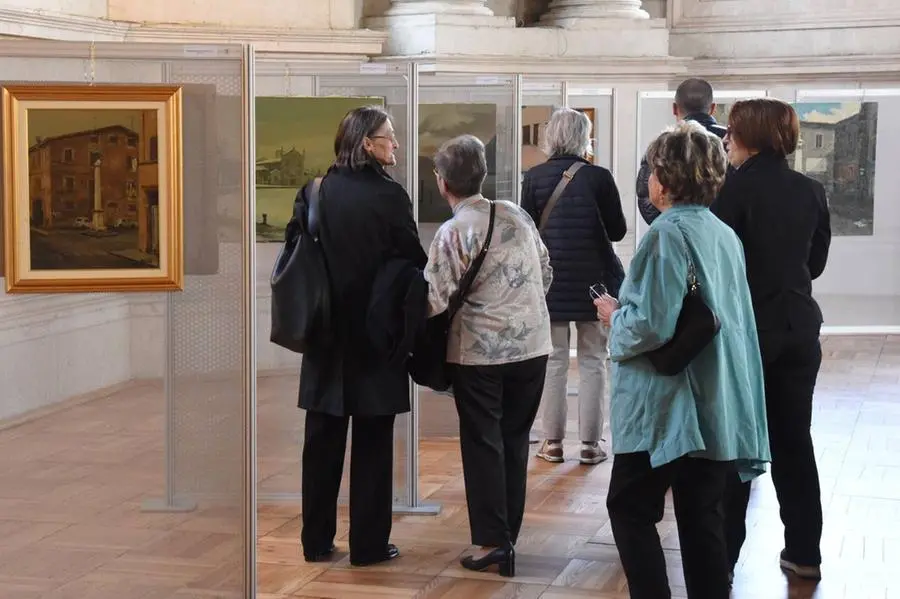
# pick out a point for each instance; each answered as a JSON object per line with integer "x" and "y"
{"x": 693, "y": 102}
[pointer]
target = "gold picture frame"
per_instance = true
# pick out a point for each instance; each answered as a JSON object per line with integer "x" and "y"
{"x": 92, "y": 188}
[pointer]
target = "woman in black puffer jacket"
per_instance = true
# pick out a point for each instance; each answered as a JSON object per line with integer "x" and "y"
{"x": 578, "y": 230}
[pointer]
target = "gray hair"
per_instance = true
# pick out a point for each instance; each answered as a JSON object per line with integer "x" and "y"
{"x": 568, "y": 133}
{"x": 462, "y": 165}
{"x": 689, "y": 163}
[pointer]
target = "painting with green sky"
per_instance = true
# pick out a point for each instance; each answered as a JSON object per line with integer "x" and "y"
{"x": 294, "y": 143}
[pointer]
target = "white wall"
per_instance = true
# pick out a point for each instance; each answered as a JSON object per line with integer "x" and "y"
{"x": 53, "y": 347}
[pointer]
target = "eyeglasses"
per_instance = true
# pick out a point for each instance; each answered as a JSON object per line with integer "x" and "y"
{"x": 392, "y": 138}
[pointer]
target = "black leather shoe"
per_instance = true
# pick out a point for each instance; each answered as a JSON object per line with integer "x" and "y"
{"x": 504, "y": 557}
{"x": 320, "y": 556}
{"x": 390, "y": 552}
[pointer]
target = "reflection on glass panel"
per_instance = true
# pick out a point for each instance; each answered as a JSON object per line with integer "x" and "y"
{"x": 122, "y": 415}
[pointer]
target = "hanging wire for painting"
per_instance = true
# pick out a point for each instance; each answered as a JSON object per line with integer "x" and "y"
{"x": 90, "y": 72}
{"x": 288, "y": 92}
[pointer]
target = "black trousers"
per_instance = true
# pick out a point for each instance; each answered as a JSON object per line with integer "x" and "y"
{"x": 636, "y": 500}
{"x": 791, "y": 362}
{"x": 371, "y": 482}
{"x": 497, "y": 406}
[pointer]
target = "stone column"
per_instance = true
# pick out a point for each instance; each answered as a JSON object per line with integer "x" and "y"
{"x": 438, "y": 7}
{"x": 579, "y": 14}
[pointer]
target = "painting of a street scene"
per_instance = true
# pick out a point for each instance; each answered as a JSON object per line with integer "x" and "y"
{"x": 439, "y": 123}
{"x": 294, "y": 144}
{"x": 837, "y": 148}
{"x": 93, "y": 189}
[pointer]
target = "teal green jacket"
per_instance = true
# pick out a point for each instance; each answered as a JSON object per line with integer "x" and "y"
{"x": 716, "y": 408}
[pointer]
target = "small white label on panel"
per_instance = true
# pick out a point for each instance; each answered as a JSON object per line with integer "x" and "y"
{"x": 488, "y": 81}
{"x": 201, "y": 50}
{"x": 373, "y": 68}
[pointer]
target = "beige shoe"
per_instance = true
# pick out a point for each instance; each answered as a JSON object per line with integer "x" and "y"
{"x": 591, "y": 454}
{"x": 552, "y": 451}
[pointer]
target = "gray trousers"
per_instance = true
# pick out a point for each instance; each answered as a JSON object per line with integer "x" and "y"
{"x": 592, "y": 357}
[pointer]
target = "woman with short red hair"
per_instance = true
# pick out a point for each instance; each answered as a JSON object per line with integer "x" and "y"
{"x": 781, "y": 217}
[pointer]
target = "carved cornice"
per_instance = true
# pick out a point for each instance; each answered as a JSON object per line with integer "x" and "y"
{"x": 45, "y": 25}
{"x": 683, "y": 18}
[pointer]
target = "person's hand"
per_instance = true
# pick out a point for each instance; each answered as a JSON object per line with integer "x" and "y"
{"x": 606, "y": 305}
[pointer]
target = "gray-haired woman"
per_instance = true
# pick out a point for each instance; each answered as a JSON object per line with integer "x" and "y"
{"x": 578, "y": 231}
{"x": 691, "y": 430}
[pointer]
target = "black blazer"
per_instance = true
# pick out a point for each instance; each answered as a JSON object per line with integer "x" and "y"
{"x": 581, "y": 251}
{"x": 781, "y": 217}
{"x": 366, "y": 220}
{"x": 398, "y": 309}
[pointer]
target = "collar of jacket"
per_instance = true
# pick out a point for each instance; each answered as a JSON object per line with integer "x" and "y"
{"x": 569, "y": 157}
{"x": 709, "y": 123}
{"x": 467, "y": 202}
{"x": 764, "y": 159}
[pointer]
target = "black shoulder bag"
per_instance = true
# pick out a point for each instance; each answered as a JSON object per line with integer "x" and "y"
{"x": 428, "y": 364}
{"x": 696, "y": 327}
{"x": 301, "y": 289}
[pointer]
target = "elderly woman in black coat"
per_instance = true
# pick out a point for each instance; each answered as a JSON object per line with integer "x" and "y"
{"x": 366, "y": 219}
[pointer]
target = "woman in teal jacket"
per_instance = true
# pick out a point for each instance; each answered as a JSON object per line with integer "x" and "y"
{"x": 686, "y": 432}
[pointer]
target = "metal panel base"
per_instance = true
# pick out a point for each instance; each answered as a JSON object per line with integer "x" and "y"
{"x": 163, "y": 506}
{"x": 426, "y": 509}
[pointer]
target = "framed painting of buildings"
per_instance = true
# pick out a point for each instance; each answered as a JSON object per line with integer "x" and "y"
{"x": 439, "y": 123}
{"x": 837, "y": 148}
{"x": 294, "y": 144}
{"x": 534, "y": 123}
{"x": 93, "y": 188}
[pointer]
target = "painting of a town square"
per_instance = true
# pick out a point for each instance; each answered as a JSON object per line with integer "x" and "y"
{"x": 439, "y": 123}
{"x": 92, "y": 188}
{"x": 837, "y": 148}
{"x": 294, "y": 144}
{"x": 85, "y": 188}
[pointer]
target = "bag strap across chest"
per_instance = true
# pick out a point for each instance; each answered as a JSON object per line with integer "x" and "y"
{"x": 557, "y": 193}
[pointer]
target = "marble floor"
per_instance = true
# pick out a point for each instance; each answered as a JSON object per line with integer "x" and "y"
{"x": 75, "y": 480}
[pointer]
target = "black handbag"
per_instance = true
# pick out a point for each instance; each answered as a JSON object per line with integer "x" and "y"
{"x": 428, "y": 363}
{"x": 301, "y": 290}
{"x": 695, "y": 329}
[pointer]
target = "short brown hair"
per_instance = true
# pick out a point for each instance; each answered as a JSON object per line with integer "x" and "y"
{"x": 765, "y": 125}
{"x": 689, "y": 163}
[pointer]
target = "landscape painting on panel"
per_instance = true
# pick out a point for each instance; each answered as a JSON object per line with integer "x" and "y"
{"x": 534, "y": 123}
{"x": 837, "y": 148}
{"x": 294, "y": 144}
{"x": 88, "y": 180}
{"x": 439, "y": 123}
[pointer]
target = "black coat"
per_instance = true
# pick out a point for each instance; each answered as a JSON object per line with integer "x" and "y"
{"x": 781, "y": 217}
{"x": 397, "y": 311}
{"x": 366, "y": 220}
{"x": 581, "y": 251}
{"x": 649, "y": 212}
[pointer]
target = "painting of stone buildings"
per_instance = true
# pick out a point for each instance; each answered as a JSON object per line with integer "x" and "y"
{"x": 294, "y": 144}
{"x": 93, "y": 189}
{"x": 837, "y": 148}
{"x": 439, "y": 123}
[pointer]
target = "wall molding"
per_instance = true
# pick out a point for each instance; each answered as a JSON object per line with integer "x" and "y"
{"x": 864, "y": 69}
{"x": 682, "y": 18}
{"x": 597, "y": 69}
{"x": 40, "y": 24}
